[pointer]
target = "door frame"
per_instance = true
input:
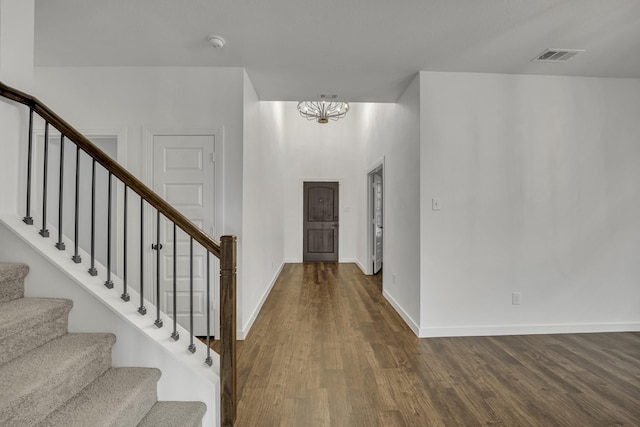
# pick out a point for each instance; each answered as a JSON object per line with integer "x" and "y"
{"x": 380, "y": 164}
{"x": 218, "y": 210}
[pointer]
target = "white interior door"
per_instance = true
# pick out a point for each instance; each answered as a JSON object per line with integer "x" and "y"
{"x": 377, "y": 223}
{"x": 184, "y": 174}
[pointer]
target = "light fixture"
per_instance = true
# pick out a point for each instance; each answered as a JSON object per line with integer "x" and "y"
{"x": 323, "y": 111}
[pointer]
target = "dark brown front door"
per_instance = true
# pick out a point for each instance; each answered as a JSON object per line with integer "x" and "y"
{"x": 320, "y": 234}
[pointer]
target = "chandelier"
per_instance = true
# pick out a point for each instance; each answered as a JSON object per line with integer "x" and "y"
{"x": 323, "y": 111}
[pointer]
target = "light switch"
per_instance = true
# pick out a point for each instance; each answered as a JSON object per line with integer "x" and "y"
{"x": 435, "y": 204}
{"x": 516, "y": 298}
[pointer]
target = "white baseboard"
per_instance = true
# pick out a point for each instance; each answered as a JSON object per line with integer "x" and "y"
{"x": 354, "y": 261}
{"x": 474, "y": 331}
{"x": 342, "y": 261}
{"x": 408, "y": 320}
{"x": 241, "y": 334}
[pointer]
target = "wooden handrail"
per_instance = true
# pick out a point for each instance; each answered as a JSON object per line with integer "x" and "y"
{"x": 112, "y": 166}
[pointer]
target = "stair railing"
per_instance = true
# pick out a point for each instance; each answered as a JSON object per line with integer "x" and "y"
{"x": 225, "y": 251}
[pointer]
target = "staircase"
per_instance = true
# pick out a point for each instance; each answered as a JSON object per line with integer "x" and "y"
{"x": 49, "y": 377}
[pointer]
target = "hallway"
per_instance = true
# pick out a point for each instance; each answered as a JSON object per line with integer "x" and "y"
{"x": 328, "y": 350}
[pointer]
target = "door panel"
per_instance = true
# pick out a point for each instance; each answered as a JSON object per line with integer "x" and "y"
{"x": 183, "y": 168}
{"x": 377, "y": 223}
{"x": 320, "y": 241}
{"x": 320, "y": 234}
{"x": 320, "y": 204}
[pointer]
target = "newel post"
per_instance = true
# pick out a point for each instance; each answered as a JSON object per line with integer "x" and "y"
{"x": 228, "y": 330}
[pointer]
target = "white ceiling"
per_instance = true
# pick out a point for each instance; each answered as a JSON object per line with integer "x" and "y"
{"x": 363, "y": 50}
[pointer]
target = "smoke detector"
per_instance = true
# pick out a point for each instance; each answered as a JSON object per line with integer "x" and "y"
{"x": 557, "y": 55}
{"x": 216, "y": 41}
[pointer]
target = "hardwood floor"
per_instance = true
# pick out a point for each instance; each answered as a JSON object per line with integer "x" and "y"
{"x": 328, "y": 350}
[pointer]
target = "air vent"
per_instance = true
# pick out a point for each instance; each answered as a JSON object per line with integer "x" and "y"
{"x": 330, "y": 96}
{"x": 557, "y": 55}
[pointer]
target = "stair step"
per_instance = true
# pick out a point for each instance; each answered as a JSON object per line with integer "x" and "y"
{"x": 27, "y": 323}
{"x": 120, "y": 397}
{"x": 38, "y": 382}
{"x": 12, "y": 276}
{"x": 169, "y": 414}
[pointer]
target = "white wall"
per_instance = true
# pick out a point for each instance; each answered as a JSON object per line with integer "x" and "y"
{"x": 135, "y": 99}
{"x": 344, "y": 151}
{"x": 540, "y": 190}
{"x": 17, "y": 20}
{"x": 262, "y": 224}
{"x": 392, "y": 132}
{"x": 16, "y": 70}
{"x": 522, "y": 165}
{"x": 317, "y": 152}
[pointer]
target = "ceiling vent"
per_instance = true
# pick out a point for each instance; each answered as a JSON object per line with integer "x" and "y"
{"x": 557, "y": 55}
{"x": 330, "y": 96}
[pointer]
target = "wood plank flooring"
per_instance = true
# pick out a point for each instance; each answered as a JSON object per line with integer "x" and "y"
{"x": 328, "y": 350}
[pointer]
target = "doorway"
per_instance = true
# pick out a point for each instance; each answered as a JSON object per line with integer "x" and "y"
{"x": 321, "y": 222}
{"x": 375, "y": 218}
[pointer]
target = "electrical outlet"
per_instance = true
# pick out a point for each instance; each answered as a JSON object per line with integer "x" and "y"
{"x": 393, "y": 276}
{"x": 515, "y": 298}
{"x": 435, "y": 204}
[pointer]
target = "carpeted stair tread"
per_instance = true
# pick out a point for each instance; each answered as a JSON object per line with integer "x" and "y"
{"x": 27, "y": 323}
{"x": 170, "y": 414}
{"x": 12, "y": 276}
{"x": 38, "y": 382}
{"x": 51, "y": 378}
{"x": 119, "y": 397}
